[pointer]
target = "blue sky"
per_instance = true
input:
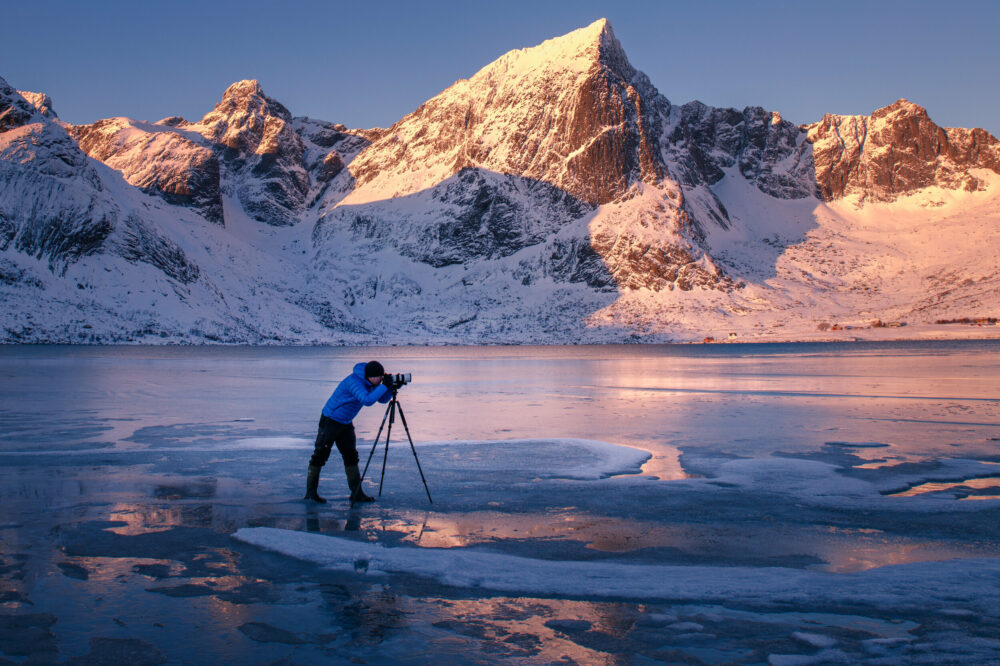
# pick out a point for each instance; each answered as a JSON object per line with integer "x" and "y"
{"x": 368, "y": 64}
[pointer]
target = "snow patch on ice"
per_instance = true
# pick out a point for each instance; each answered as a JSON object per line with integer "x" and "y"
{"x": 815, "y": 640}
{"x": 923, "y": 585}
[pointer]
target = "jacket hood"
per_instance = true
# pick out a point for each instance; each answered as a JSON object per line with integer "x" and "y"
{"x": 359, "y": 370}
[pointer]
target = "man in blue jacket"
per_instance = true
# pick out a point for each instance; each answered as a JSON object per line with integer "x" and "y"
{"x": 362, "y": 388}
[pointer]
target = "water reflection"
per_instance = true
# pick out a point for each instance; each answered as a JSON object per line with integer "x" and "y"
{"x": 822, "y": 548}
{"x": 539, "y": 630}
{"x": 143, "y": 519}
{"x": 967, "y": 488}
{"x": 319, "y": 520}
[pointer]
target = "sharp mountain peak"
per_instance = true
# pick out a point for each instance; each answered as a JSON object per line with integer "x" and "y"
{"x": 41, "y": 102}
{"x": 246, "y": 98}
{"x": 244, "y": 88}
{"x": 15, "y": 110}
{"x": 579, "y": 50}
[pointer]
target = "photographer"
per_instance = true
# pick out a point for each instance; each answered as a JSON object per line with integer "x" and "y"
{"x": 362, "y": 388}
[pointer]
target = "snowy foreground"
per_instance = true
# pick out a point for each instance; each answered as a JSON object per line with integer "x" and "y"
{"x": 788, "y": 504}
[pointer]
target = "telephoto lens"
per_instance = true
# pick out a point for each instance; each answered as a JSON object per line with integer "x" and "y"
{"x": 397, "y": 380}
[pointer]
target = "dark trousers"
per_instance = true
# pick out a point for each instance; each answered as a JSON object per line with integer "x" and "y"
{"x": 333, "y": 432}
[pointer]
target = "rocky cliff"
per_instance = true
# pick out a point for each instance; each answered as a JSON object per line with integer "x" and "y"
{"x": 157, "y": 159}
{"x": 768, "y": 151}
{"x": 895, "y": 151}
{"x": 41, "y": 102}
{"x": 248, "y": 147}
{"x": 262, "y": 150}
{"x": 571, "y": 112}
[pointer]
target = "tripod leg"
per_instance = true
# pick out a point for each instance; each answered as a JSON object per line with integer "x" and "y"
{"x": 388, "y": 434}
{"x": 402, "y": 417}
{"x": 375, "y": 442}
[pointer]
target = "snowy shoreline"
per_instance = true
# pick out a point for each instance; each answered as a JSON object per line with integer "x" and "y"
{"x": 925, "y": 333}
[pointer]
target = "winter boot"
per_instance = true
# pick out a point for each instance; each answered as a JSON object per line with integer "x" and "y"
{"x": 312, "y": 485}
{"x": 354, "y": 483}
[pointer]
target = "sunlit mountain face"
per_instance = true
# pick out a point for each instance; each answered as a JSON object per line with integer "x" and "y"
{"x": 554, "y": 196}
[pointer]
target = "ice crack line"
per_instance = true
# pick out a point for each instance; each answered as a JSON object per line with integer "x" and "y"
{"x": 796, "y": 394}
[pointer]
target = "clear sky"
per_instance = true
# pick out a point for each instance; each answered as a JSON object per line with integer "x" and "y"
{"x": 367, "y": 64}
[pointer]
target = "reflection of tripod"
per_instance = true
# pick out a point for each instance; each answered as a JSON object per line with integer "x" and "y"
{"x": 390, "y": 413}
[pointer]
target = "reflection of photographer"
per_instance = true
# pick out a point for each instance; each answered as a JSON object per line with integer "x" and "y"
{"x": 364, "y": 387}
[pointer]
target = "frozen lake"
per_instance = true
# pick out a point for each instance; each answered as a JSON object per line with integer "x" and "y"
{"x": 783, "y": 504}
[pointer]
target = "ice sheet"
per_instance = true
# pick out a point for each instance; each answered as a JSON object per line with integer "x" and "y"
{"x": 819, "y": 483}
{"x": 767, "y": 525}
{"x": 573, "y": 459}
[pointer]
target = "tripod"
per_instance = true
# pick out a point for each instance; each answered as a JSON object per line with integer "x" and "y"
{"x": 390, "y": 414}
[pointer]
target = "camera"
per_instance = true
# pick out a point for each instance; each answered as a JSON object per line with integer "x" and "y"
{"x": 397, "y": 380}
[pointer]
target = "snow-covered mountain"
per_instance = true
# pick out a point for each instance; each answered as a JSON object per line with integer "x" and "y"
{"x": 56, "y": 207}
{"x": 554, "y": 196}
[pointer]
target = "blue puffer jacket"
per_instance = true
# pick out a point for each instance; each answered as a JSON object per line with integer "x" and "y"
{"x": 353, "y": 393}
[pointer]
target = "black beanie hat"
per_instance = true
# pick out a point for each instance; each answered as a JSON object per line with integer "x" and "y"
{"x": 374, "y": 369}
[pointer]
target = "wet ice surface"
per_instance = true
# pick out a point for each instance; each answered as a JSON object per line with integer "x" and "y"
{"x": 776, "y": 504}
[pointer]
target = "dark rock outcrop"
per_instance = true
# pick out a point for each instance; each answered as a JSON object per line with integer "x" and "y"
{"x": 329, "y": 147}
{"x": 768, "y": 151}
{"x": 137, "y": 242}
{"x": 642, "y": 266}
{"x": 474, "y": 215}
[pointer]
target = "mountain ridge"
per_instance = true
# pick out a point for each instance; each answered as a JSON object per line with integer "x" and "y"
{"x": 554, "y": 195}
